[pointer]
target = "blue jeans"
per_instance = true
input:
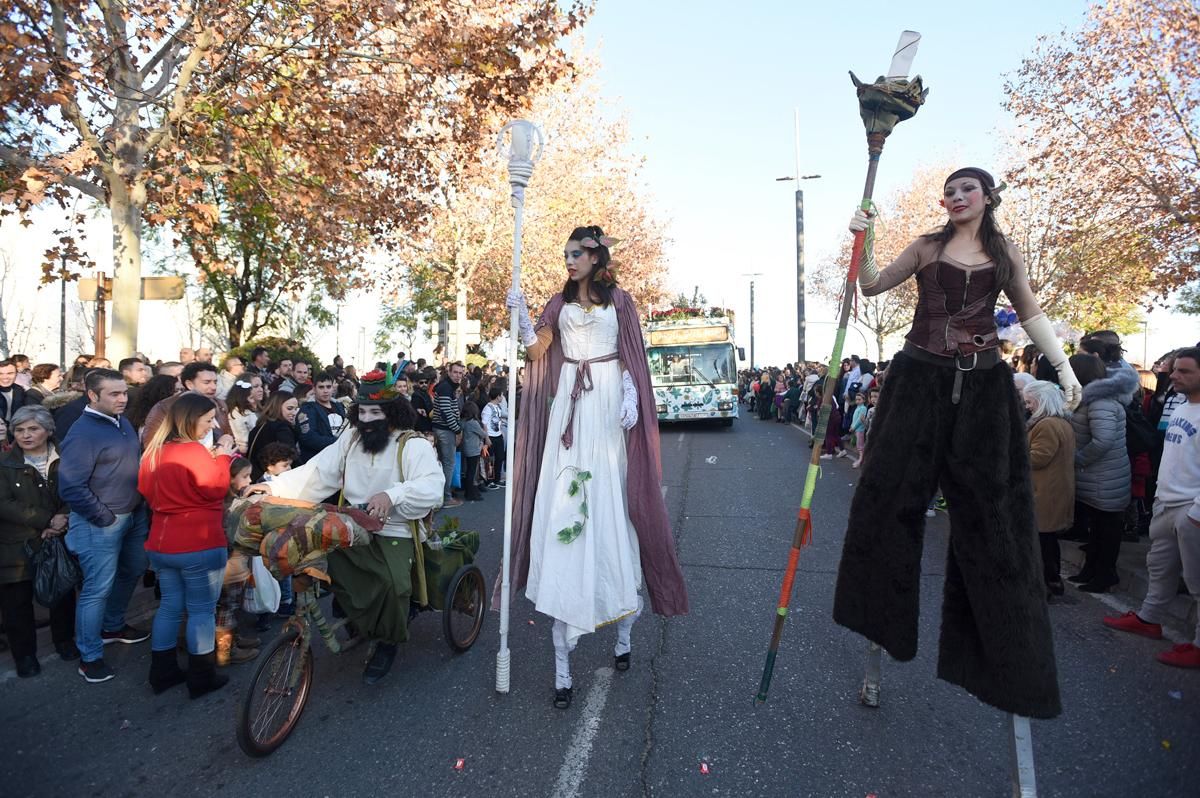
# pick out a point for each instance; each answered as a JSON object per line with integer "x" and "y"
{"x": 112, "y": 558}
{"x": 192, "y": 580}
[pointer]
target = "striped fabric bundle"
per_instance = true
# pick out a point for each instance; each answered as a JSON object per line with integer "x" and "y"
{"x": 293, "y": 536}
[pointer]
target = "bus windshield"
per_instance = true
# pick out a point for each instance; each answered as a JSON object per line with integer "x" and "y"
{"x": 698, "y": 364}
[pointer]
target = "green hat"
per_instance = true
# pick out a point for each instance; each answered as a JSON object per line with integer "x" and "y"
{"x": 377, "y": 388}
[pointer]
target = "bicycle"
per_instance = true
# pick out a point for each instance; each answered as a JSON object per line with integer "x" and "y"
{"x": 279, "y": 689}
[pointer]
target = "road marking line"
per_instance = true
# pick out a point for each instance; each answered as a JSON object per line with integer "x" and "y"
{"x": 664, "y": 492}
{"x": 802, "y": 429}
{"x": 1112, "y": 602}
{"x": 574, "y": 767}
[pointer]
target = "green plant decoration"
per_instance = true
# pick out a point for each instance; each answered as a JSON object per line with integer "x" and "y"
{"x": 577, "y": 487}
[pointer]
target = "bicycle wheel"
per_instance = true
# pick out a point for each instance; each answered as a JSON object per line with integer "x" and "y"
{"x": 276, "y": 695}
{"x": 466, "y": 604}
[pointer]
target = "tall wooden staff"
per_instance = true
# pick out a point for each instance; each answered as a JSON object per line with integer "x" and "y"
{"x": 883, "y": 104}
{"x": 525, "y": 148}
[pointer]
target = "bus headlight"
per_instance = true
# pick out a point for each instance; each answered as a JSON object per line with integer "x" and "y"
{"x": 724, "y": 405}
{"x": 660, "y": 409}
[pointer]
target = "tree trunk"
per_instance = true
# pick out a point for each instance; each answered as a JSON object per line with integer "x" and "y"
{"x": 460, "y": 316}
{"x": 879, "y": 346}
{"x": 127, "y": 277}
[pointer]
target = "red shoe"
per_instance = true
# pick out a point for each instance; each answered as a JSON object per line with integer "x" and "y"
{"x": 1184, "y": 655}
{"x": 1130, "y": 622}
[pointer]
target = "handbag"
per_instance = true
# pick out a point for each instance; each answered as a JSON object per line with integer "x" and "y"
{"x": 56, "y": 572}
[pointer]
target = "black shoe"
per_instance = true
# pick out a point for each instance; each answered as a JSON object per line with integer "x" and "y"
{"x": 286, "y": 610}
{"x": 165, "y": 672}
{"x": 95, "y": 672}
{"x": 1084, "y": 575}
{"x": 621, "y": 661}
{"x": 126, "y": 634}
{"x": 28, "y": 666}
{"x": 263, "y": 624}
{"x": 1100, "y": 584}
{"x": 380, "y": 662}
{"x": 67, "y": 650}
{"x": 562, "y": 698}
{"x": 202, "y": 677}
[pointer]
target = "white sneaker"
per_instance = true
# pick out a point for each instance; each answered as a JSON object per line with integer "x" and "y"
{"x": 930, "y": 513}
{"x": 826, "y": 457}
{"x": 842, "y": 453}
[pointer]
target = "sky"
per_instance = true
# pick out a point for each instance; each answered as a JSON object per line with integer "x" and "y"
{"x": 709, "y": 90}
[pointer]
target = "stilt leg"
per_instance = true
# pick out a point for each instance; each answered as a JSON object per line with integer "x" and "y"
{"x": 1024, "y": 776}
{"x": 868, "y": 696}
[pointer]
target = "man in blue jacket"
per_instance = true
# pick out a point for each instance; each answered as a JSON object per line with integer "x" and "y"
{"x": 320, "y": 419}
{"x": 97, "y": 478}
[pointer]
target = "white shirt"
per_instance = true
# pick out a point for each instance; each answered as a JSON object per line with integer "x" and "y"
{"x": 1179, "y": 471}
{"x": 493, "y": 419}
{"x": 345, "y": 466}
{"x": 114, "y": 420}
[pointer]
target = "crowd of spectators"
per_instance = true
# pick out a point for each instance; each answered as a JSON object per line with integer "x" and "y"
{"x": 132, "y": 468}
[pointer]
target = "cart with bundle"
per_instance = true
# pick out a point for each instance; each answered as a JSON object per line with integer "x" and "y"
{"x": 292, "y": 539}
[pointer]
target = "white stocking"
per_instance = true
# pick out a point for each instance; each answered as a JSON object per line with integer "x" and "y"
{"x": 563, "y": 646}
{"x": 624, "y": 628}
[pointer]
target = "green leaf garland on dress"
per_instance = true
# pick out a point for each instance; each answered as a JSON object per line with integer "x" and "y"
{"x": 578, "y": 486}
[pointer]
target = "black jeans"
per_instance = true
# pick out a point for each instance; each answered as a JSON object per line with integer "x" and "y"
{"x": 498, "y": 453}
{"x": 1105, "y": 541}
{"x": 470, "y": 476}
{"x": 1051, "y": 557}
{"x": 16, "y": 609}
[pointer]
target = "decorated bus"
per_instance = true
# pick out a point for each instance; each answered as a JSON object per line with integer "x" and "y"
{"x": 693, "y": 364}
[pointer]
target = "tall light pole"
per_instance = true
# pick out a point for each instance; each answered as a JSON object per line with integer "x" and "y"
{"x": 752, "y": 276}
{"x": 800, "y": 282}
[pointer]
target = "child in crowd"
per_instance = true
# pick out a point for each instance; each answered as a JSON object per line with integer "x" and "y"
{"x": 858, "y": 425}
{"x": 494, "y": 420}
{"x": 233, "y": 648}
{"x": 239, "y": 477}
{"x": 275, "y": 459}
{"x": 474, "y": 442}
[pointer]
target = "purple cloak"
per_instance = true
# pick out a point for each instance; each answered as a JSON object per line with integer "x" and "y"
{"x": 647, "y": 510}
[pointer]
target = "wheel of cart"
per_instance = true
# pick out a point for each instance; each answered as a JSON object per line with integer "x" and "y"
{"x": 465, "y": 607}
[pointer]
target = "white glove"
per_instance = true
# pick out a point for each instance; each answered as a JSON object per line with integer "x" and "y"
{"x": 868, "y": 272}
{"x": 859, "y": 222}
{"x": 629, "y": 410}
{"x": 515, "y": 300}
{"x": 1042, "y": 334}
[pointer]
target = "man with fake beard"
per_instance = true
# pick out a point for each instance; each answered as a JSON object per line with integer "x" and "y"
{"x": 389, "y": 471}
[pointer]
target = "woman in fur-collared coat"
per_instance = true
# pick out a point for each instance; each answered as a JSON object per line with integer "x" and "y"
{"x": 1102, "y": 471}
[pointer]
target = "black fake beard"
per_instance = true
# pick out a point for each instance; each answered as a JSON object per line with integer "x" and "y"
{"x": 374, "y": 434}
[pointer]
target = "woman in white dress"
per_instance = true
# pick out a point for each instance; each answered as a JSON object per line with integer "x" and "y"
{"x": 585, "y": 558}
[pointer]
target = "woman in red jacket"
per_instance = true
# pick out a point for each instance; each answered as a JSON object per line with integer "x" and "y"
{"x": 185, "y": 484}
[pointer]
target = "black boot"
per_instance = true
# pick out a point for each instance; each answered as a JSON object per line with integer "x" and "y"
{"x": 380, "y": 662}
{"x": 165, "y": 672}
{"x": 202, "y": 676}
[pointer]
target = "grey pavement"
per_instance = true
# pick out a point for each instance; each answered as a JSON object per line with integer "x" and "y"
{"x": 1130, "y": 727}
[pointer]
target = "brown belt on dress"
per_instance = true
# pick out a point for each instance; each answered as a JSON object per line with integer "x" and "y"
{"x": 982, "y": 359}
{"x": 583, "y": 382}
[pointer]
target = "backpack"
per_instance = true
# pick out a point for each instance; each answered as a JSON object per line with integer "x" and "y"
{"x": 1139, "y": 435}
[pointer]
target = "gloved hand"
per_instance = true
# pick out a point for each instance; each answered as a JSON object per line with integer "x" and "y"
{"x": 515, "y": 300}
{"x": 859, "y": 221}
{"x": 1042, "y": 334}
{"x": 868, "y": 271}
{"x": 629, "y": 405}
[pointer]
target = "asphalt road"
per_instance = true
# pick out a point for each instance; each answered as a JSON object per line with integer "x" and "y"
{"x": 681, "y": 722}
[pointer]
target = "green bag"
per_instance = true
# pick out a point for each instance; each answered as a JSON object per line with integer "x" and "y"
{"x": 443, "y": 557}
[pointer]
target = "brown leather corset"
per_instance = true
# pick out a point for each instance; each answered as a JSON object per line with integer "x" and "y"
{"x": 955, "y": 309}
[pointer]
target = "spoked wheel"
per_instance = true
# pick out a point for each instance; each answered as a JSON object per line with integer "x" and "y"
{"x": 466, "y": 604}
{"x": 276, "y": 695}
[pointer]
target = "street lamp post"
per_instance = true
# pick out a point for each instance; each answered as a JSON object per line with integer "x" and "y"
{"x": 800, "y": 279}
{"x": 752, "y": 276}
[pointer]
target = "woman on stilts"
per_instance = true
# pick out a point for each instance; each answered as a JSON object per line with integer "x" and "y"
{"x": 589, "y": 520}
{"x": 949, "y": 415}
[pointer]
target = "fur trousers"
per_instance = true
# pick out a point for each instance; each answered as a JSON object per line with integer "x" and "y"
{"x": 995, "y": 634}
